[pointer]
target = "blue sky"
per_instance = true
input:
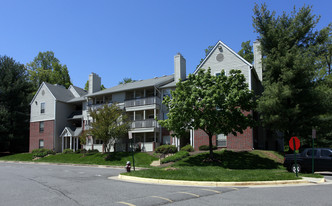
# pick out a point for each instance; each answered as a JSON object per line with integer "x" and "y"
{"x": 136, "y": 39}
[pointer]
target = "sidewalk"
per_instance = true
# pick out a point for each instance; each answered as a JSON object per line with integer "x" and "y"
{"x": 304, "y": 180}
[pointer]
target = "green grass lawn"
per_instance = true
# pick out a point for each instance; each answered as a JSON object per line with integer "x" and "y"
{"x": 231, "y": 166}
{"x": 115, "y": 159}
{"x": 17, "y": 157}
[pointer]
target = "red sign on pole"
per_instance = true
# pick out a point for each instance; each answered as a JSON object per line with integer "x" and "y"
{"x": 297, "y": 143}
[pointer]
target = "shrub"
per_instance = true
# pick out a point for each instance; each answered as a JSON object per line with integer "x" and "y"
{"x": 166, "y": 149}
{"x": 42, "y": 152}
{"x": 187, "y": 148}
{"x": 67, "y": 151}
{"x": 93, "y": 151}
{"x": 176, "y": 157}
{"x": 80, "y": 151}
{"x": 206, "y": 147}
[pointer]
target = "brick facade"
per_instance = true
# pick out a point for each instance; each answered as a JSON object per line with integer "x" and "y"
{"x": 201, "y": 138}
{"x": 242, "y": 141}
{"x": 47, "y": 135}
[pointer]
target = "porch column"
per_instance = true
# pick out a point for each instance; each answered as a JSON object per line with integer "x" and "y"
{"x": 144, "y": 115}
{"x": 77, "y": 143}
{"x": 71, "y": 142}
{"x": 144, "y": 141}
{"x": 65, "y": 142}
{"x": 62, "y": 145}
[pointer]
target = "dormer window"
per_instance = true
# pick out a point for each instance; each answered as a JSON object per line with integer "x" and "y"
{"x": 42, "y": 108}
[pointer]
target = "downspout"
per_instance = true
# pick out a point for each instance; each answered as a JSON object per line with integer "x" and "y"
{"x": 252, "y": 112}
{"x": 54, "y": 127}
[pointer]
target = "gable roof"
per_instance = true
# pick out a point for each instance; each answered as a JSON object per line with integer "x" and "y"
{"x": 79, "y": 90}
{"x": 77, "y": 131}
{"x": 156, "y": 82}
{"x": 214, "y": 48}
{"x": 60, "y": 92}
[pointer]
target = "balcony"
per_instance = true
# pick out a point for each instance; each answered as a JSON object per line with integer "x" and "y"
{"x": 148, "y": 123}
{"x": 142, "y": 101}
{"x": 97, "y": 106}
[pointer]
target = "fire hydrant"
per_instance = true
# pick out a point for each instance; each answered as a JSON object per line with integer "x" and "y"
{"x": 128, "y": 166}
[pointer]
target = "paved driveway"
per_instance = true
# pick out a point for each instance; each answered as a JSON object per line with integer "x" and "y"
{"x": 33, "y": 184}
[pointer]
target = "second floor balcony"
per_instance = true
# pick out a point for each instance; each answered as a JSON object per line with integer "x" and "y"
{"x": 148, "y": 123}
{"x": 142, "y": 101}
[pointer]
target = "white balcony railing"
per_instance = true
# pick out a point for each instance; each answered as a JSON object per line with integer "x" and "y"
{"x": 97, "y": 106}
{"x": 142, "y": 101}
{"x": 148, "y": 123}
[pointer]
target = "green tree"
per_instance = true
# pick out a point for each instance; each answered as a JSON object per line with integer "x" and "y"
{"x": 214, "y": 104}
{"x": 15, "y": 96}
{"x": 291, "y": 102}
{"x": 110, "y": 124}
{"x": 246, "y": 51}
{"x": 47, "y": 68}
{"x": 127, "y": 80}
{"x": 86, "y": 87}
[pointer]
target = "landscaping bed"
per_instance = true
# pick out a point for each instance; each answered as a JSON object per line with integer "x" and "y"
{"x": 228, "y": 166}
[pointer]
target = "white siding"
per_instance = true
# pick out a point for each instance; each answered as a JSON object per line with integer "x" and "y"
{"x": 229, "y": 62}
{"x": 43, "y": 95}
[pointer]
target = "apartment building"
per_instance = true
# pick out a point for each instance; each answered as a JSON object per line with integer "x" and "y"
{"x": 59, "y": 115}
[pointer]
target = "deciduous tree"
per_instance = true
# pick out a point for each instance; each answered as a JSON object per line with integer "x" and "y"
{"x": 47, "y": 68}
{"x": 214, "y": 104}
{"x": 246, "y": 51}
{"x": 110, "y": 124}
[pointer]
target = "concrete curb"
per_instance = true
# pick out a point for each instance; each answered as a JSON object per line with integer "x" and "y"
{"x": 217, "y": 184}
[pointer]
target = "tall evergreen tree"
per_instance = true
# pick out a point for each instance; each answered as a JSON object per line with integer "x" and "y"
{"x": 291, "y": 102}
{"x": 15, "y": 96}
{"x": 47, "y": 68}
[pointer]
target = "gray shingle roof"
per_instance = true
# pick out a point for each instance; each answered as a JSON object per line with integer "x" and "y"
{"x": 77, "y": 131}
{"x": 157, "y": 82}
{"x": 60, "y": 92}
{"x": 80, "y": 91}
{"x": 171, "y": 84}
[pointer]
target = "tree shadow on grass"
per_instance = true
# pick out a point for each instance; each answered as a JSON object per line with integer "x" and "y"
{"x": 231, "y": 160}
{"x": 116, "y": 156}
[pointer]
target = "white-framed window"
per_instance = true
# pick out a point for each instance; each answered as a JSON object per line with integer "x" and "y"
{"x": 41, "y": 143}
{"x": 41, "y": 126}
{"x": 42, "y": 107}
{"x": 221, "y": 140}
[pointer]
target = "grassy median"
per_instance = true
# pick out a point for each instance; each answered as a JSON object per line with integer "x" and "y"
{"x": 228, "y": 166}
